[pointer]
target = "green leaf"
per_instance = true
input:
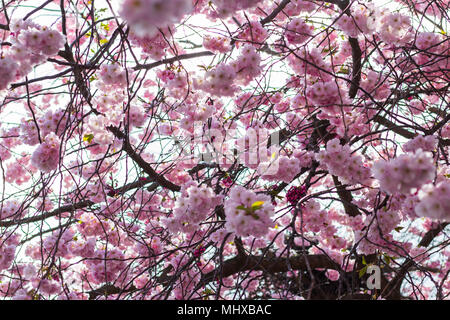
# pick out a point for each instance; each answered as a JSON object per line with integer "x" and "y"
{"x": 257, "y": 205}
{"x": 398, "y": 229}
{"x": 364, "y": 260}
{"x": 88, "y": 137}
{"x": 208, "y": 291}
{"x": 362, "y": 271}
{"x": 255, "y": 216}
{"x": 344, "y": 70}
{"x": 104, "y": 26}
{"x": 387, "y": 259}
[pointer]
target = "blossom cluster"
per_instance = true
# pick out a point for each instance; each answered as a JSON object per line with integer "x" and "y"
{"x": 433, "y": 54}
{"x": 11, "y": 210}
{"x": 41, "y": 40}
{"x": 195, "y": 112}
{"x": 8, "y": 70}
{"x": 96, "y": 129}
{"x": 295, "y": 7}
{"x": 50, "y": 122}
{"x": 395, "y": 29}
{"x": 323, "y": 93}
{"x": 110, "y": 271}
{"x": 376, "y": 231}
{"x": 220, "y": 81}
{"x": 90, "y": 225}
{"x": 46, "y": 156}
{"x": 17, "y": 172}
{"x": 404, "y": 173}
{"x": 434, "y": 201}
{"x": 319, "y": 223}
{"x": 216, "y": 44}
{"x": 327, "y": 95}
{"x": 446, "y": 131}
{"x": 305, "y": 157}
{"x": 288, "y": 168}
{"x": 8, "y": 251}
{"x": 154, "y": 45}
{"x": 135, "y": 116}
{"x": 375, "y": 85}
{"x": 31, "y": 44}
{"x": 428, "y": 41}
{"x": 304, "y": 58}
{"x": 227, "y": 8}
{"x": 192, "y": 208}
{"x": 298, "y": 31}
{"x": 248, "y": 213}
{"x": 113, "y": 75}
{"x": 146, "y": 16}
{"x": 254, "y": 33}
{"x": 340, "y": 161}
{"x": 360, "y": 21}
{"x": 58, "y": 243}
{"x": 426, "y": 143}
{"x": 247, "y": 65}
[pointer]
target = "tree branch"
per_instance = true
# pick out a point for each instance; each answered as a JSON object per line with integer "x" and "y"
{"x": 392, "y": 290}
{"x": 275, "y": 12}
{"x": 144, "y": 165}
{"x": 173, "y": 59}
{"x": 270, "y": 265}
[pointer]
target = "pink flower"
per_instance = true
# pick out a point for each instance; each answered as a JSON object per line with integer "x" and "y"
{"x": 298, "y": 31}
{"x": 248, "y": 213}
{"x": 216, "y": 44}
{"x": 404, "y": 173}
{"x": 8, "y": 69}
{"x": 46, "y": 156}
{"x": 434, "y": 201}
{"x": 147, "y": 16}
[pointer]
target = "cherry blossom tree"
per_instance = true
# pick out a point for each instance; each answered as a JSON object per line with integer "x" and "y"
{"x": 224, "y": 149}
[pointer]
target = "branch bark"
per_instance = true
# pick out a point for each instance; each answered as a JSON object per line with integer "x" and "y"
{"x": 272, "y": 265}
{"x": 144, "y": 165}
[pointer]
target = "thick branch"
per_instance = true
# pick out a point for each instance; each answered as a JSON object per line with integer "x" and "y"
{"x": 357, "y": 66}
{"x": 270, "y": 265}
{"x": 56, "y": 212}
{"x": 144, "y": 165}
{"x": 78, "y": 205}
{"x": 346, "y": 198}
{"x": 275, "y": 12}
{"x": 109, "y": 289}
{"x": 173, "y": 59}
